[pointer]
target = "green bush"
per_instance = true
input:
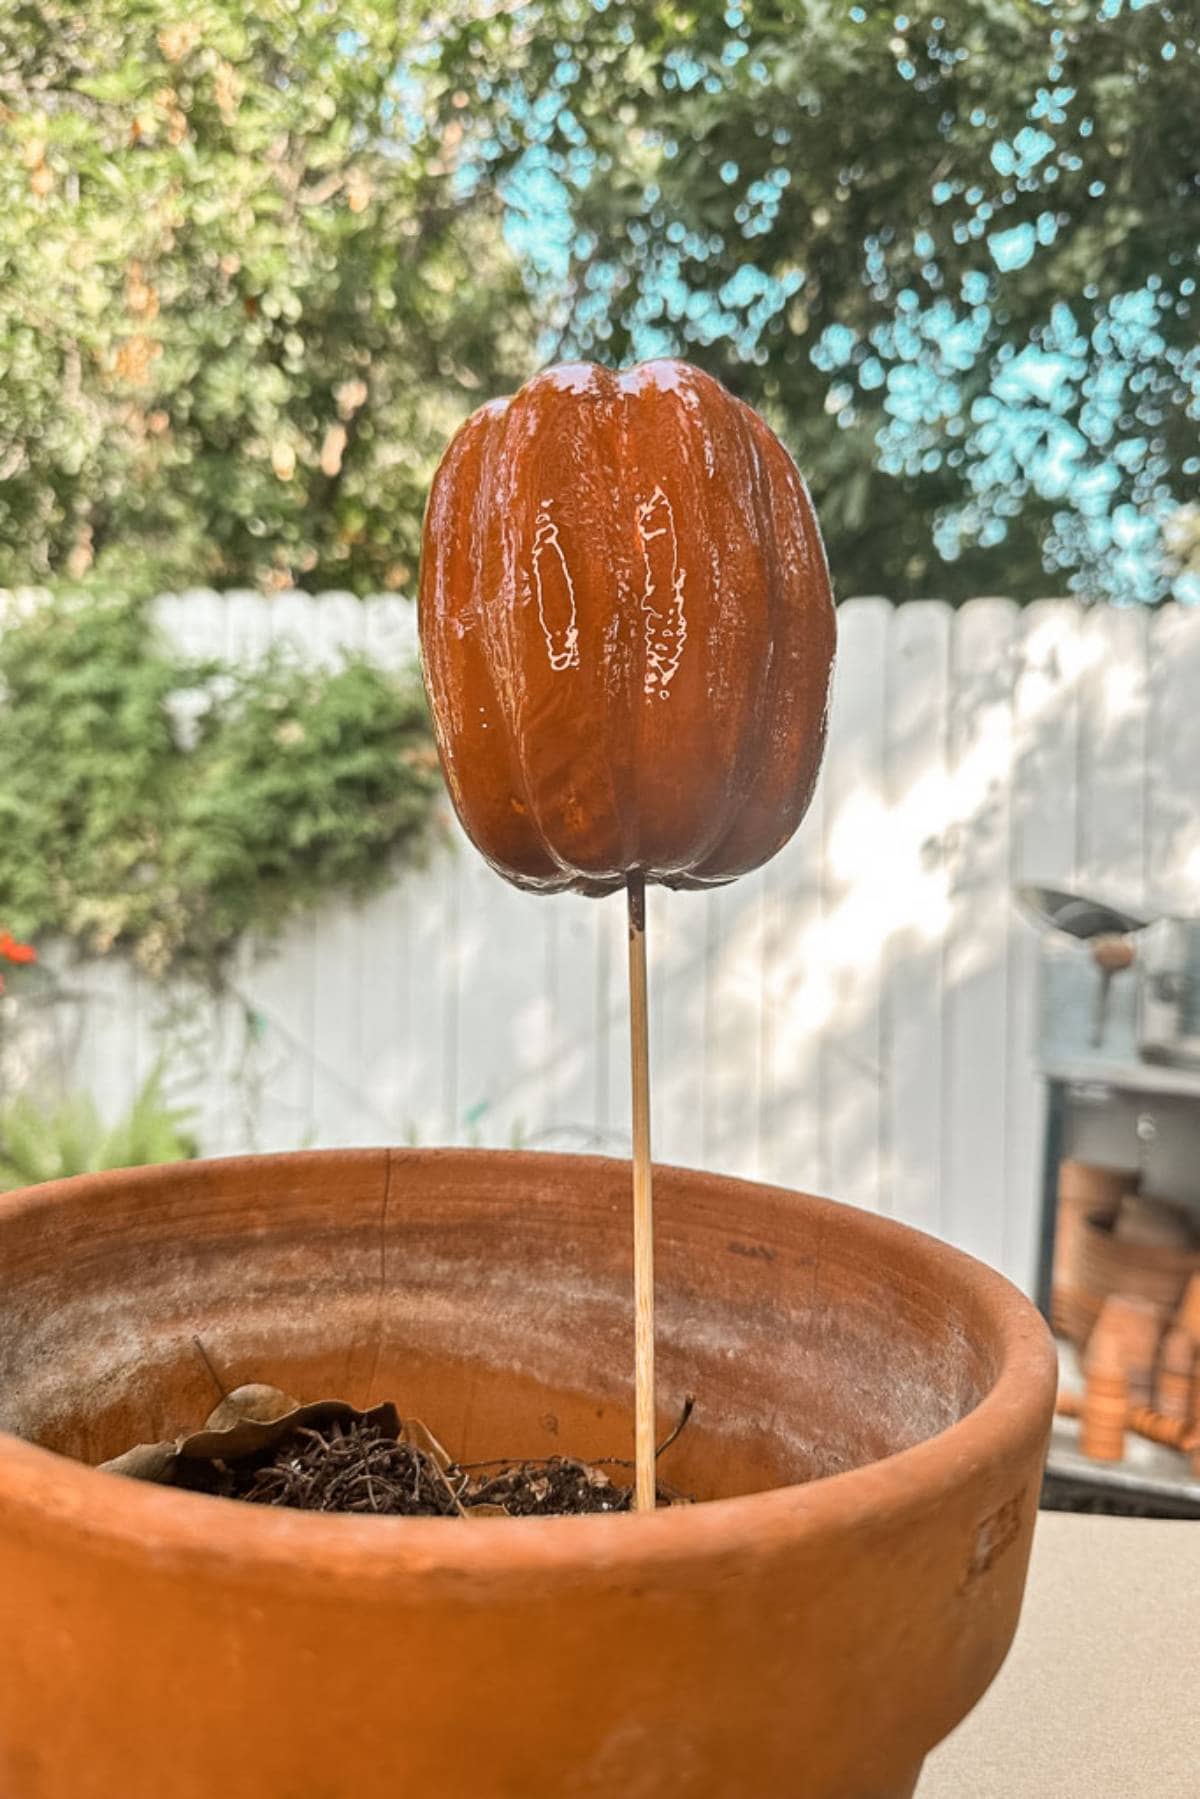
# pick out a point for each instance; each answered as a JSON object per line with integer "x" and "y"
{"x": 122, "y": 825}
{"x": 45, "y": 1142}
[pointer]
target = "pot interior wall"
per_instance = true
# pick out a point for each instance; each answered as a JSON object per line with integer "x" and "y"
{"x": 489, "y": 1294}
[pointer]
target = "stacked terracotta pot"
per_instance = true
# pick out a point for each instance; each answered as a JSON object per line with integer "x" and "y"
{"x": 1142, "y": 1374}
{"x": 1114, "y": 1240}
{"x": 1088, "y": 1199}
{"x": 1125, "y": 1290}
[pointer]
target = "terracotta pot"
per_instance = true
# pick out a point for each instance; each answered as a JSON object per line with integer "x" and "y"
{"x": 1172, "y": 1433}
{"x": 1130, "y": 1329}
{"x": 1142, "y": 1271}
{"x": 1173, "y": 1382}
{"x": 1153, "y": 1223}
{"x": 788, "y": 1638}
{"x": 1189, "y": 1308}
{"x": 1105, "y": 1402}
{"x": 1084, "y": 1190}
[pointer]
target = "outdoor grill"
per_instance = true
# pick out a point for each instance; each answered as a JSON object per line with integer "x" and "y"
{"x": 1118, "y": 1044}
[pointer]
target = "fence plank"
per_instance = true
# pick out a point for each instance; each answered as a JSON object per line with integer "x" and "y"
{"x": 1053, "y": 654}
{"x": 248, "y": 629}
{"x": 390, "y": 633}
{"x": 189, "y": 1031}
{"x": 1173, "y": 806}
{"x": 976, "y": 1091}
{"x": 294, "y": 619}
{"x": 792, "y": 1142}
{"x": 278, "y": 983}
{"x": 613, "y": 1090}
{"x": 425, "y": 988}
{"x": 571, "y": 927}
{"x": 918, "y": 795}
{"x": 677, "y": 932}
{"x": 857, "y": 905}
{"x": 503, "y": 1024}
{"x": 343, "y": 964}
{"x": 105, "y": 1048}
{"x": 385, "y": 958}
{"x": 1113, "y": 725}
{"x": 734, "y": 1047}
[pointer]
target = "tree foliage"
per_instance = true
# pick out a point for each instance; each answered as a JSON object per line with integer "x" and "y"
{"x": 256, "y": 261}
{"x": 240, "y": 302}
{"x": 951, "y": 250}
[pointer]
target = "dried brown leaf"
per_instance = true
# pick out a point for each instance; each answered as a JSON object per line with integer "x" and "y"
{"x": 254, "y": 1403}
{"x": 148, "y": 1461}
{"x": 250, "y": 1436}
{"x": 160, "y": 1462}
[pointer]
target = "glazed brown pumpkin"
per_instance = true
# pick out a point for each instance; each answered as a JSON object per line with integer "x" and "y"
{"x": 627, "y": 631}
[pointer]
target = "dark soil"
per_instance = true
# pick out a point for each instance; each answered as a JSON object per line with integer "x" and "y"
{"x": 537, "y": 1489}
{"x": 358, "y": 1467}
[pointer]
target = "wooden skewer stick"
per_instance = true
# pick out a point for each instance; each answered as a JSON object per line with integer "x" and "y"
{"x": 643, "y": 1201}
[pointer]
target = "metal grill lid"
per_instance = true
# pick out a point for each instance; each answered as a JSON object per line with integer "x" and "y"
{"x": 1075, "y": 914}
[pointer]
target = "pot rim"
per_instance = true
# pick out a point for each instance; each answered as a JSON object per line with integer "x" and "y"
{"x": 1004, "y": 1426}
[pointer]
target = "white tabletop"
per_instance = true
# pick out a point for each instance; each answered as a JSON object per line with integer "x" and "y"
{"x": 1100, "y": 1696}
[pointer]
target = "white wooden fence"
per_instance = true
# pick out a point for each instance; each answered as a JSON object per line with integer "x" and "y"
{"x": 857, "y": 1018}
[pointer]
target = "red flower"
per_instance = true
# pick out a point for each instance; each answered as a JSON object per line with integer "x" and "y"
{"x": 12, "y": 951}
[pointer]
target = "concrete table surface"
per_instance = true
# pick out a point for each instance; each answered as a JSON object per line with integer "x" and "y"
{"x": 1100, "y": 1696}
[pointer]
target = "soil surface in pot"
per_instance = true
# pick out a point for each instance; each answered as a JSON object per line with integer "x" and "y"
{"x": 261, "y": 1447}
{"x": 358, "y": 1468}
